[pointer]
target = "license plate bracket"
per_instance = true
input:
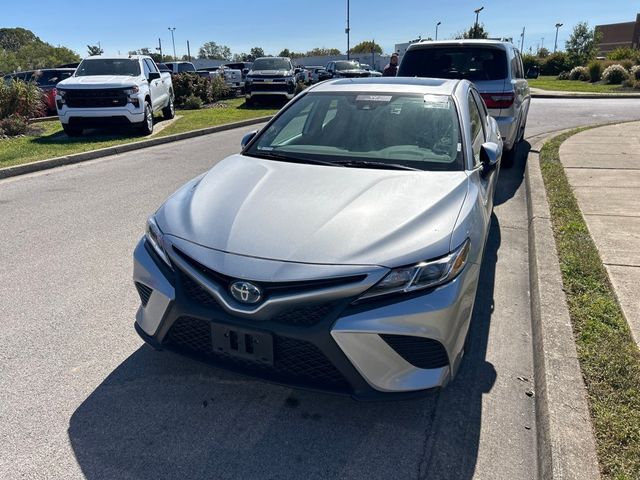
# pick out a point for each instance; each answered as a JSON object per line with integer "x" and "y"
{"x": 250, "y": 345}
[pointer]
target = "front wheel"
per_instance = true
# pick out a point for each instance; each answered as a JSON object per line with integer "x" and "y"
{"x": 169, "y": 111}
{"x": 146, "y": 127}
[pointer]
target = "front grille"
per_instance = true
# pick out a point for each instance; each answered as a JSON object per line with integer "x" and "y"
{"x": 95, "y": 98}
{"x": 304, "y": 316}
{"x": 295, "y": 361}
{"x": 270, "y": 87}
{"x": 144, "y": 292}
{"x": 418, "y": 351}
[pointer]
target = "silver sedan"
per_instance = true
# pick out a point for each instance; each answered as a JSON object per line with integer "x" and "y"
{"x": 340, "y": 250}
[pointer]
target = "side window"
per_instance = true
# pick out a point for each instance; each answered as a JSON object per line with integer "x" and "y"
{"x": 151, "y": 65}
{"x": 145, "y": 68}
{"x": 477, "y": 128}
{"x": 519, "y": 68}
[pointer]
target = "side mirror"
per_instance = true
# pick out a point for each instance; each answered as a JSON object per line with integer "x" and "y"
{"x": 298, "y": 70}
{"x": 247, "y": 138}
{"x": 533, "y": 73}
{"x": 489, "y": 155}
{"x": 153, "y": 76}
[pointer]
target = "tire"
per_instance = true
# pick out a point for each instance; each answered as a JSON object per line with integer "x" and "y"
{"x": 146, "y": 126}
{"x": 169, "y": 111}
{"x": 72, "y": 131}
{"x": 250, "y": 102}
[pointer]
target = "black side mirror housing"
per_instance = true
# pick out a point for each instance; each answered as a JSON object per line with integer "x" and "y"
{"x": 490, "y": 154}
{"x": 247, "y": 138}
{"x": 153, "y": 76}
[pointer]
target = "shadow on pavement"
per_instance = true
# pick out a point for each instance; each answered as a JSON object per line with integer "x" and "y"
{"x": 158, "y": 415}
{"x": 512, "y": 177}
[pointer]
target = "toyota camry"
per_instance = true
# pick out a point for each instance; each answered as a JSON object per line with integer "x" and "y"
{"x": 340, "y": 249}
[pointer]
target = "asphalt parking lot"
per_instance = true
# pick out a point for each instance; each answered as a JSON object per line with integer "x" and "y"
{"x": 82, "y": 397}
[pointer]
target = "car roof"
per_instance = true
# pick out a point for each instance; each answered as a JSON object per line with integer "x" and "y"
{"x": 435, "y": 86}
{"x": 460, "y": 42}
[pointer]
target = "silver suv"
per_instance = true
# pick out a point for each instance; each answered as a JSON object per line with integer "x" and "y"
{"x": 494, "y": 67}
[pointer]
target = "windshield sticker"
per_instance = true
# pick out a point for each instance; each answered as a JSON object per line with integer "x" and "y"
{"x": 437, "y": 102}
{"x": 396, "y": 110}
{"x": 459, "y": 147}
{"x": 267, "y": 149}
{"x": 373, "y": 98}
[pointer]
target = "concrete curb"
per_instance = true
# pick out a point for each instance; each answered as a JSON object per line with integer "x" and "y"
{"x": 585, "y": 96}
{"x": 127, "y": 147}
{"x": 566, "y": 442}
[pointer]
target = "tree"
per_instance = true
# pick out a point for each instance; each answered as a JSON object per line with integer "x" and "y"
{"x": 323, "y": 52}
{"x": 582, "y": 44}
{"x": 20, "y": 49}
{"x": 213, "y": 51}
{"x": 543, "y": 52}
{"x": 285, "y": 53}
{"x": 13, "y": 39}
{"x": 93, "y": 50}
{"x": 475, "y": 31}
{"x": 367, "y": 47}
{"x": 256, "y": 52}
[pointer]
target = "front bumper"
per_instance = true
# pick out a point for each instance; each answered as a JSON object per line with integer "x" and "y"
{"x": 335, "y": 346}
{"x": 508, "y": 131}
{"x": 128, "y": 114}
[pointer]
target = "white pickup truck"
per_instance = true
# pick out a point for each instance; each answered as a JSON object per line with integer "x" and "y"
{"x": 108, "y": 91}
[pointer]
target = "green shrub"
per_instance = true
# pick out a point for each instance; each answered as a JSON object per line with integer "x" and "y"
{"x": 579, "y": 73}
{"x": 20, "y": 98}
{"x": 529, "y": 61}
{"x": 615, "y": 74}
{"x": 632, "y": 54}
{"x": 14, "y": 125}
{"x": 192, "y": 103}
{"x": 627, "y": 64}
{"x": 563, "y": 76}
{"x": 208, "y": 90}
{"x": 554, "y": 64}
{"x": 595, "y": 70}
{"x": 635, "y": 72}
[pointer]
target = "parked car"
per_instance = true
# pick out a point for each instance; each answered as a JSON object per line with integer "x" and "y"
{"x": 314, "y": 72}
{"x": 303, "y": 75}
{"x": 372, "y": 72}
{"x": 244, "y": 67}
{"x": 270, "y": 76}
{"x": 340, "y": 250}
{"x": 114, "y": 91}
{"x": 180, "y": 67}
{"x": 163, "y": 68}
{"x": 47, "y": 79}
{"x": 232, "y": 77}
{"x": 346, "y": 69}
{"x": 494, "y": 67}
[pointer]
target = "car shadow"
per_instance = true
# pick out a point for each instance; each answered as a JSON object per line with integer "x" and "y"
{"x": 159, "y": 415}
{"x": 95, "y": 135}
{"x": 512, "y": 177}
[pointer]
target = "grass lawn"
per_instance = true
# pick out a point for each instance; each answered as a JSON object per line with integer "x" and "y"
{"x": 552, "y": 83}
{"x": 609, "y": 358}
{"x": 50, "y": 141}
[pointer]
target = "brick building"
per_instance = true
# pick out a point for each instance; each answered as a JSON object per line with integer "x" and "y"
{"x": 617, "y": 35}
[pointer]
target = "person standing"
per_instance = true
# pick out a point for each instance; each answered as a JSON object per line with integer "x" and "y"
{"x": 391, "y": 70}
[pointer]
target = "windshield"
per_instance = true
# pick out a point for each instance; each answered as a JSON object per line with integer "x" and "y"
{"x": 412, "y": 130}
{"x": 271, "y": 64}
{"x": 108, "y": 66}
{"x": 471, "y": 63}
{"x": 347, "y": 65}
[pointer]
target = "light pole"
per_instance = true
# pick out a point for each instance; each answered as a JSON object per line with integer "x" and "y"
{"x": 437, "y": 25}
{"x": 173, "y": 29}
{"x": 477, "y": 12}
{"x": 555, "y": 46}
{"x": 347, "y": 30}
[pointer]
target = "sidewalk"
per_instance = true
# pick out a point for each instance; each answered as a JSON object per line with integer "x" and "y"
{"x": 541, "y": 93}
{"x": 603, "y": 168}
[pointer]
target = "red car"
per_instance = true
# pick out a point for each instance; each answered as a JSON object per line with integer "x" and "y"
{"x": 46, "y": 79}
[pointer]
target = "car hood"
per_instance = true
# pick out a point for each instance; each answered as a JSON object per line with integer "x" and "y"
{"x": 99, "y": 81}
{"x": 317, "y": 214}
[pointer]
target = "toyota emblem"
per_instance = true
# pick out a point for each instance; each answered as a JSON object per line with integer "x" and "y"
{"x": 246, "y": 292}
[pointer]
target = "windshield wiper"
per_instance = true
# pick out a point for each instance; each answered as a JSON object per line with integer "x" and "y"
{"x": 382, "y": 165}
{"x": 286, "y": 158}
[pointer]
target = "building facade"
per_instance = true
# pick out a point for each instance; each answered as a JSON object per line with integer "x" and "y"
{"x": 619, "y": 35}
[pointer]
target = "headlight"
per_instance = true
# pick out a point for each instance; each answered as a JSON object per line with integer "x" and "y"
{"x": 423, "y": 275}
{"x": 154, "y": 236}
{"x": 132, "y": 90}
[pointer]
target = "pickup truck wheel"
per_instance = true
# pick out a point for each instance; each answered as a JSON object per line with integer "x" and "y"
{"x": 169, "y": 111}
{"x": 146, "y": 127}
{"x": 72, "y": 131}
{"x": 250, "y": 102}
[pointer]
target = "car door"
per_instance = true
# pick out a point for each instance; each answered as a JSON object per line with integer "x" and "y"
{"x": 479, "y": 117}
{"x": 157, "y": 88}
{"x": 521, "y": 88}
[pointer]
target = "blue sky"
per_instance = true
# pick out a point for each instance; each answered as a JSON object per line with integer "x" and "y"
{"x": 296, "y": 24}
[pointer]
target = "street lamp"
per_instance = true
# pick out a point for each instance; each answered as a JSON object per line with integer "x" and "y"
{"x": 555, "y": 46}
{"x": 437, "y": 25}
{"x": 347, "y": 30}
{"x": 173, "y": 29}
{"x": 477, "y": 12}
